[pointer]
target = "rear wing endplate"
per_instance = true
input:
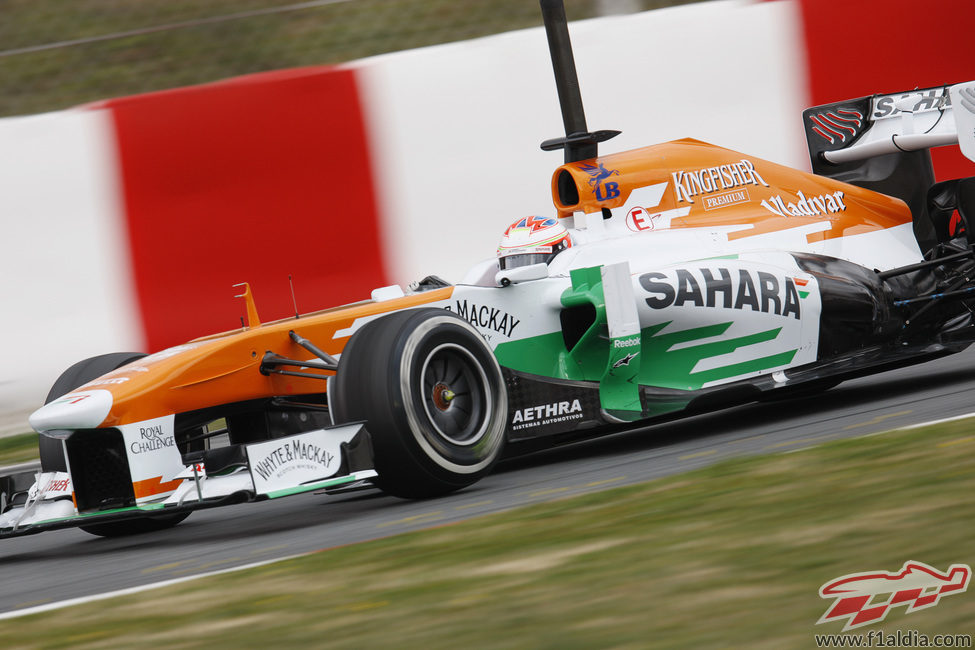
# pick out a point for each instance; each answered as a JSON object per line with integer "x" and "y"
{"x": 913, "y": 120}
{"x": 963, "y": 98}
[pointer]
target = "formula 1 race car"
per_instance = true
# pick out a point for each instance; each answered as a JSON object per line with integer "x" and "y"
{"x": 677, "y": 278}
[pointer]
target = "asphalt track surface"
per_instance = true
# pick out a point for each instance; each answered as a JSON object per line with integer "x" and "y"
{"x": 59, "y": 565}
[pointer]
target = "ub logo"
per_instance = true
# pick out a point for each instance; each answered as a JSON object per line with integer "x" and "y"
{"x": 597, "y": 181}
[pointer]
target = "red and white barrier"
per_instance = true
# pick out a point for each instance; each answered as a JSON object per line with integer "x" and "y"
{"x": 65, "y": 288}
{"x": 126, "y": 222}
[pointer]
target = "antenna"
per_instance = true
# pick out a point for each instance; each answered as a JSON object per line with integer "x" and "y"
{"x": 579, "y": 143}
{"x": 293, "y": 301}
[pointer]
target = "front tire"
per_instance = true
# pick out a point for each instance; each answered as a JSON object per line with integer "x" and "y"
{"x": 52, "y": 451}
{"x": 433, "y": 398}
{"x": 135, "y": 526}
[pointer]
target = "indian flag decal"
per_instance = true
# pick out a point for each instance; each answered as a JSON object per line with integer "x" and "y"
{"x": 800, "y": 283}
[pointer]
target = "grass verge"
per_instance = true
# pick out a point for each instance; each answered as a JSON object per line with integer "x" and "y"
{"x": 48, "y": 59}
{"x": 20, "y": 448}
{"x": 732, "y": 555}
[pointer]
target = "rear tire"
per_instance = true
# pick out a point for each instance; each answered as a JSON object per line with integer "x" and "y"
{"x": 52, "y": 451}
{"x": 433, "y": 398}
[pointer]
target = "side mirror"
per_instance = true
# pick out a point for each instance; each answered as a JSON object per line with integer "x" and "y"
{"x": 522, "y": 274}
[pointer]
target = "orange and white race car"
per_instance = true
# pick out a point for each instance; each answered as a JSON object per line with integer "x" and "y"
{"x": 676, "y": 278}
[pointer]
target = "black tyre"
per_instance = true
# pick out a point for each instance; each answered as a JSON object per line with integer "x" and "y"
{"x": 433, "y": 397}
{"x": 135, "y": 526}
{"x": 52, "y": 451}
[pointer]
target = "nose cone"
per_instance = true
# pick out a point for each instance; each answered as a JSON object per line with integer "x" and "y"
{"x": 82, "y": 410}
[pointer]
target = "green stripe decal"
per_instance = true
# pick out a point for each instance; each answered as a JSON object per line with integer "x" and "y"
{"x": 669, "y": 368}
{"x": 149, "y": 508}
{"x": 661, "y": 366}
{"x": 539, "y": 355}
{"x": 661, "y": 361}
{"x": 318, "y": 485}
{"x": 732, "y": 256}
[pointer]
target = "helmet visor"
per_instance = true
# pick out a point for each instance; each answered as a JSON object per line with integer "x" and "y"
{"x": 524, "y": 259}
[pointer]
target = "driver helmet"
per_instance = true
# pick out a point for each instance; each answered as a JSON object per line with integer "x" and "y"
{"x": 532, "y": 240}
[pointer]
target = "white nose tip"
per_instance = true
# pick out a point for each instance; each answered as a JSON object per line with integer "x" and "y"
{"x": 82, "y": 410}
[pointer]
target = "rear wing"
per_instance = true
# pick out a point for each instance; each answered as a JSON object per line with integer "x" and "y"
{"x": 872, "y": 126}
{"x": 882, "y": 142}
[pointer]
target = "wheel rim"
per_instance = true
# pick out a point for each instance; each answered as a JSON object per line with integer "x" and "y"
{"x": 454, "y": 393}
{"x": 461, "y": 457}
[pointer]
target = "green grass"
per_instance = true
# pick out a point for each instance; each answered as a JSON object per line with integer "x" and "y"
{"x": 67, "y": 75}
{"x": 16, "y": 449}
{"x": 728, "y": 556}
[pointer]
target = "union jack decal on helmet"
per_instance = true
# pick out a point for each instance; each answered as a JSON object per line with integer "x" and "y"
{"x": 531, "y": 224}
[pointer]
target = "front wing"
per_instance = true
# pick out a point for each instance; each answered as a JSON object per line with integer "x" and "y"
{"x": 32, "y": 502}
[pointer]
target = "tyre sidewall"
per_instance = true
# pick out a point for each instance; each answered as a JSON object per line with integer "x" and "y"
{"x": 87, "y": 370}
{"x": 51, "y": 450}
{"x": 439, "y": 453}
{"x": 374, "y": 384}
